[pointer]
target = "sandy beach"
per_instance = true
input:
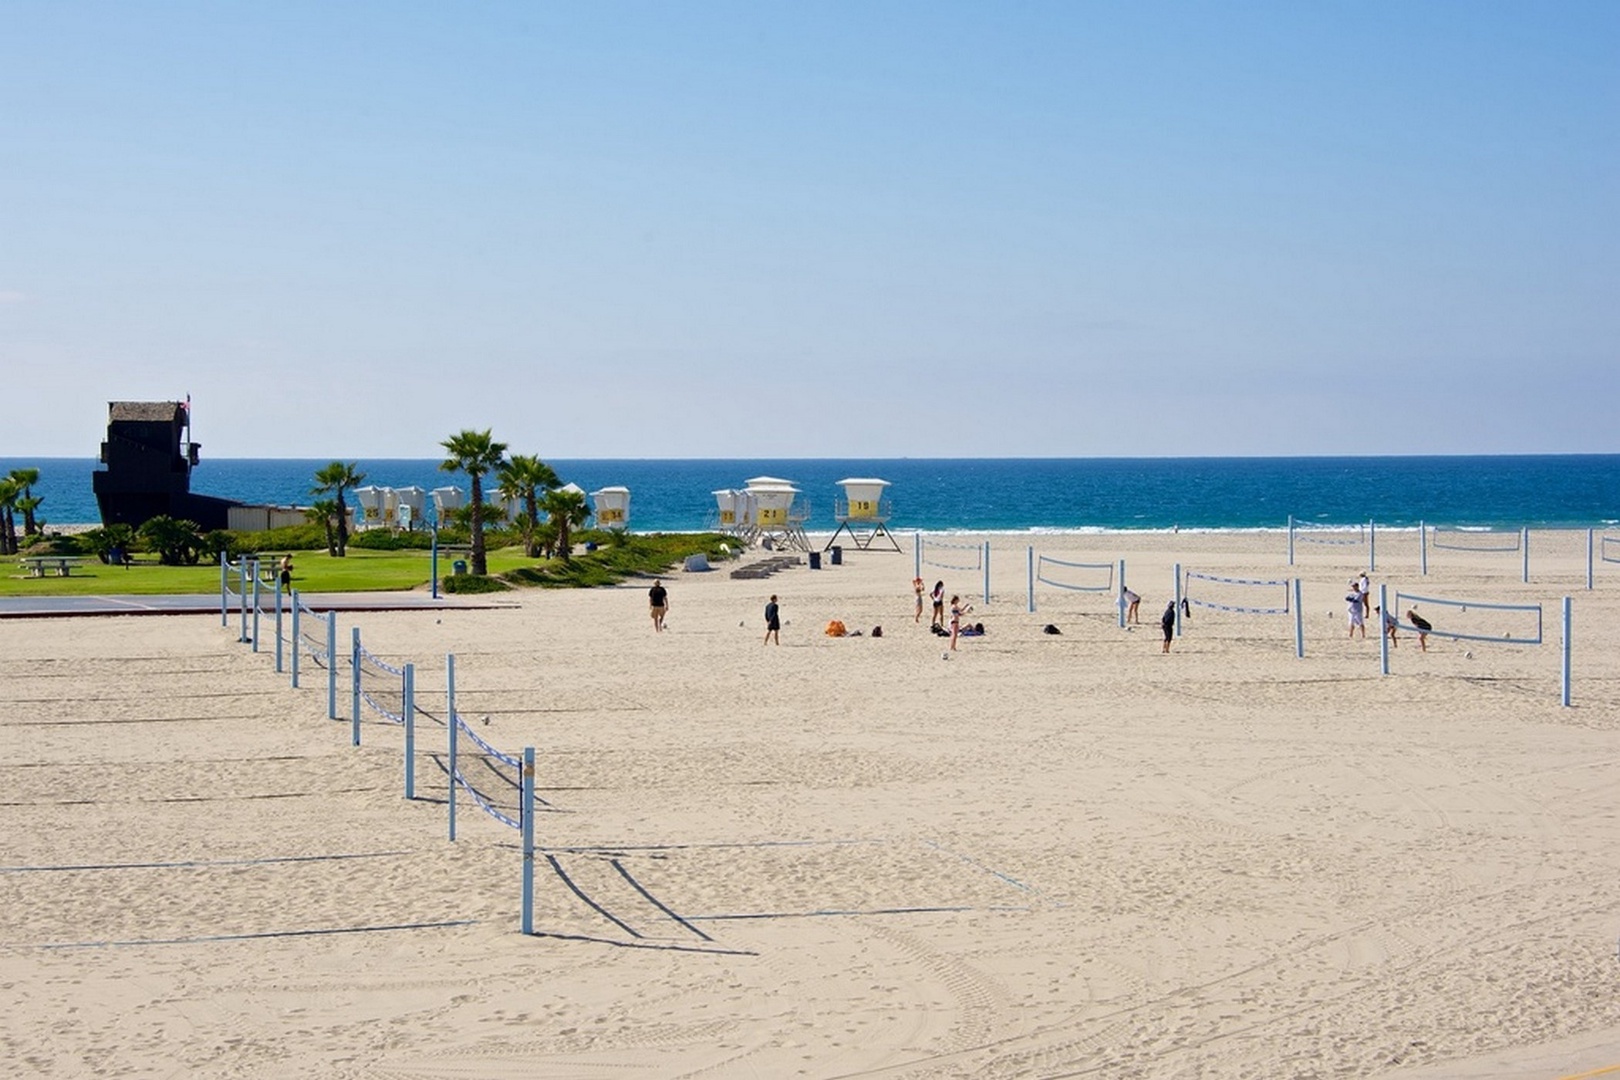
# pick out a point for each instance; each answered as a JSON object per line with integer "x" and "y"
{"x": 1041, "y": 855}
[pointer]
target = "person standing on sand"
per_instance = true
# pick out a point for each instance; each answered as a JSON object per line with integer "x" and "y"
{"x": 773, "y": 622}
{"x": 658, "y": 602}
{"x": 938, "y": 596}
{"x": 1356, "y": 610}
{"x": 1132, "y": 603}
{"x": 917, "y": 587}
{"x": 1167, "y": 622}
{"x": 956, "y": 620}
{"x": 286, "y": 572}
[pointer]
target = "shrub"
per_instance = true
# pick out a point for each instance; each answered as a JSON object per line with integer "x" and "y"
{"x": 472, "y": 583}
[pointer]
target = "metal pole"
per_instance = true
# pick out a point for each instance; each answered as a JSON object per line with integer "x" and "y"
{"x": 331, "y": 665}
{"x": 354, "y": 680}
{"x": 241, "y": 585}
{"x": 297, "y": 642}
{"x": 1372, "y": 546}
{"x": 1178, "y": 599}
{"x": 1032, "y": 579}
{"x": 528, "y": 839}
{"x": 278, "y": 624}
{"x": 435, "y": 547}
{"x": 224, "y": 589}
{"x": 450, "y": 722}
{"x": 1566, "y": 620}
{"x": 1290, "y": 539}
{"x": 987, "y": 571}
{"x": 916, "y": 538}
{"x": 1299, "y": 622}
{"x": 1588, "y": 559}
{"x": 255, "y": 605}
{"x": 1524, "y": 546}
{"x": 410, "y": 731}
{"x": 1383, "y": 637}
{"x": 1423, "y": 549}
{"x": 1122, "y": 594}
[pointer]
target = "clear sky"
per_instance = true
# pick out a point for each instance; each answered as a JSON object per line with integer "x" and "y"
{"x": 862, "y": 229}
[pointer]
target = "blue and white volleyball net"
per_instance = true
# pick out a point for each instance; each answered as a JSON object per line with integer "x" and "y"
{"x": 380, "y": 685}
{"x": 498, "y": 772}
{"x": 1478, "y": 540}
{"x": 1235, "y": 595}
{"x": 1073, "y": 581}
{"x": 948, "y": 556}
{"x": 312, "y": 639}
{"x": 1609, "y": 549}
{"x": 1472, "y": 620}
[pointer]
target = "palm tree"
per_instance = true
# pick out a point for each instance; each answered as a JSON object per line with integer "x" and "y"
{"x": 10, "y": 490}
{"x": 567, "y": 509}
{"x": 522, "y": 479}
{"x": 324, "y": 511}
{"x": 334, "y": 480}
{"x": 474, "y": 453}
{"x": 26, "y": 479}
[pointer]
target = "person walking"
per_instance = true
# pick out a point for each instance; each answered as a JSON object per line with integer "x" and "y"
{"x": 773, "y": 622}
{"x": 1167, "y": 622}
{"x": 285, "y": 575}
{"x": 658, "y": 602}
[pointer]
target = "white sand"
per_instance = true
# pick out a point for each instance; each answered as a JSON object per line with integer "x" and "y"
{"x": 1046, "y": 856}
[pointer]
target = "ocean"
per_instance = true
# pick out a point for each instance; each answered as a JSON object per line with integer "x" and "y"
{"x": 1006, "y": 494}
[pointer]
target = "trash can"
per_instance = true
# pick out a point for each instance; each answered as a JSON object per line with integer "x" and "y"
{"x": 459, "y": 566}
{"x": 815, "y": 560}
{"x": 837, "y": 555}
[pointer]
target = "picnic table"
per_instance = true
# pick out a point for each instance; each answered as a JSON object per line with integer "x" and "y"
{"x": 40, "y": 565}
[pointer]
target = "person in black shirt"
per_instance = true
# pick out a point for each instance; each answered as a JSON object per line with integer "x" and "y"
{"x": 658, "y": 600}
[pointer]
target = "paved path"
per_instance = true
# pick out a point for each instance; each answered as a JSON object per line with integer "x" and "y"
{"x": 47, "y": 607}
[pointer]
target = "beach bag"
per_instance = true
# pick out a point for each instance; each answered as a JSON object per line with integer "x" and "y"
{"x": 836, "y": 629}
{"x": 1050, "y": 629}
{"x": 877, "y": 631}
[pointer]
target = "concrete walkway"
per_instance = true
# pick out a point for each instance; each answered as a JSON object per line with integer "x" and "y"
{"x": 53, "y": 607}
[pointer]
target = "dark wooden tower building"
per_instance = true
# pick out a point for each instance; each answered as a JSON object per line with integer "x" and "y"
{"x": 148, "y": 468}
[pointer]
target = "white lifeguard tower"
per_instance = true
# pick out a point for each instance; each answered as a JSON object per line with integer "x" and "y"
{"x": 409, "y": 502}
{"x": 778, "y": 514}
{"x": 863, "y": 512}
{"x": 445, "y": 500}
{"x": 611, "y": 505}
{"x": 727, "y": 517}
{"x": 373, "y": 505}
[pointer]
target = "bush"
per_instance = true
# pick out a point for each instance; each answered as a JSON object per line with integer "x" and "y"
{"x": 387, "y": 540}
{"x": 626, "y": 556}
{"x": 472, "y": 583}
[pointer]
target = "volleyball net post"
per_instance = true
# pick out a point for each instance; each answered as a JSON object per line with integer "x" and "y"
{"x": 1032, "y": 579}
{"x": 1423, "y": 549}
{"x": 1120, "y": 595}
{"x": 1565, "y": 621}
{"x": 278, "y": 626}
{"x": 242, "y": 597}
{"x": 331, "y": 665}
{"x": 410, "y": 731}
{"x": 1590, "y": 541}
{"x": 224, "y": 590}
{"x": 1290, "y": 539}
{"x": 1178, "y": 599}
{"x": 450, "y": 725}
{"x": 1383, "y": 628}
{"x": 1299, "y": 623}
{"x": 1524, "y": 548}
{"x": 916, "y": 540}
{"x": 297, "y": 642}
{"x": 354, "y": 683}
{"x": 528, "y": 839}
{"x": 256, "y": 603}
{"x": 1372, "y": 545}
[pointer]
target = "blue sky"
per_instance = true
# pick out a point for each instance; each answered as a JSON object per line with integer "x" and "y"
{"x": 821, "y": 229}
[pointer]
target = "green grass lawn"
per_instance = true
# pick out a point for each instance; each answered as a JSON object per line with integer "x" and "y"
{"x": 313, "y": 571}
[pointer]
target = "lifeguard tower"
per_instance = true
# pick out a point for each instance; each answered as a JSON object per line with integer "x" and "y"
{"x": 445, "y": 501}
{"x": 373, "y": 506}
{"x": 409, "y": 502}
{"x": 778, "y": 515}
{"x": 727, "y": 517}
{"x": 611, "y": 506}
{"x": 864, "y": 513}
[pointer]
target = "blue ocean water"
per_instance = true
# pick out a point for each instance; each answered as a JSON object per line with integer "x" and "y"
{"x": 1007, "y": 494}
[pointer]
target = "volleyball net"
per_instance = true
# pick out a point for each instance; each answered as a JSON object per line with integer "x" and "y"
{"x": 963, "y": 557}
{"x": 1472, "y": 620}
{"x": 1238, "y": 596}
{"x": 1476, "y": 540}
{"x": 1609, "y": 549}
{"x": 1068, "y": 576}
{"x": 1362, "y": 536}
{"x": 379, "y": 685}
